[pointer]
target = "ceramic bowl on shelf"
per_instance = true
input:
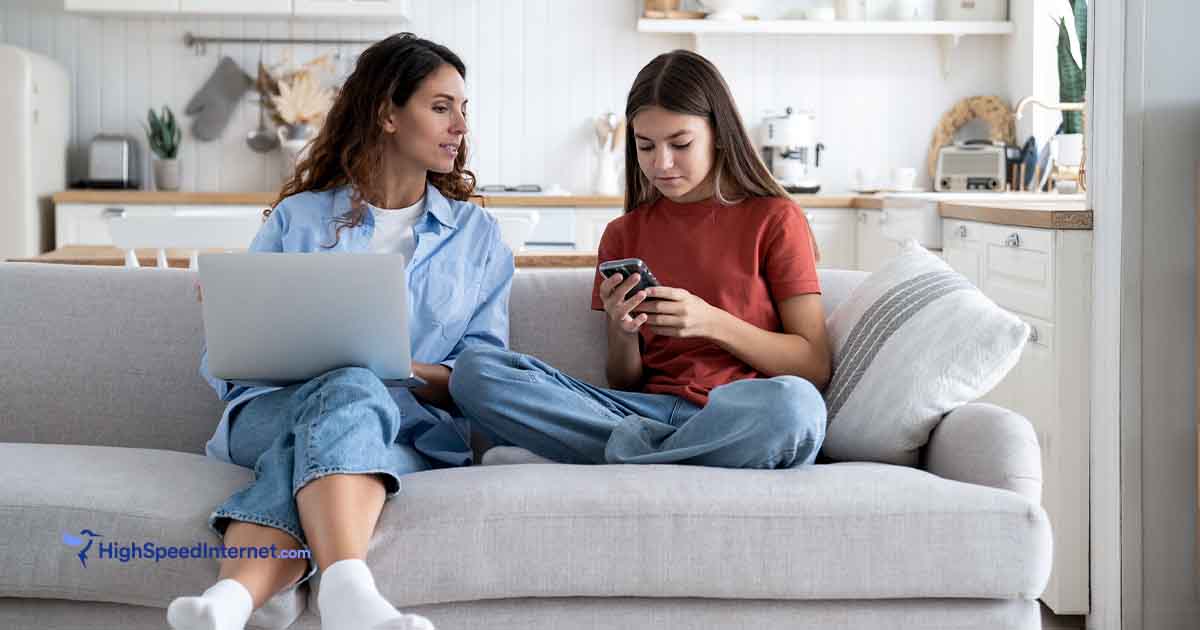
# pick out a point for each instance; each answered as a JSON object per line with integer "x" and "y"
{"x": 727, "y": 9}
{"x": 822, "y": 14}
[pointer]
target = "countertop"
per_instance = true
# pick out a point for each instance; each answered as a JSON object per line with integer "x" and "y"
{"x": 1025, "y": 212}
{"x": 1064, "y": 215}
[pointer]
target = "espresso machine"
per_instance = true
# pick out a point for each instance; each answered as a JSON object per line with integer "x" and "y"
{"x": 791, "y": 152}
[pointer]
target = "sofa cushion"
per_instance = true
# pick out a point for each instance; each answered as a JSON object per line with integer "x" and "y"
{"x": 125, "y": 495}
{"x": 913, "y": 342}
{"x": 838, "y": 531}
{"x": 102, "y": 355}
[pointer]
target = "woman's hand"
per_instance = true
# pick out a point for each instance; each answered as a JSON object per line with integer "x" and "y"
{"x": 612, "y": 293}
{"x": 678, "y": 313}
{"x": 437, "y": 391}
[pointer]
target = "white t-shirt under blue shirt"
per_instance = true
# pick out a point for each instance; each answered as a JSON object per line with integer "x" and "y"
{"x": 394, "y": 229}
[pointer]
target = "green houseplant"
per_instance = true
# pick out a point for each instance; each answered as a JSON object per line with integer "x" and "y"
{"x": 1072, "y": 77}
{"x": 164, "y": 136}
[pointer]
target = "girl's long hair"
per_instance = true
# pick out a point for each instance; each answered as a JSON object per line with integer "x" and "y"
{"x": 684, "y": 82}
{"x": 348, "y": 150}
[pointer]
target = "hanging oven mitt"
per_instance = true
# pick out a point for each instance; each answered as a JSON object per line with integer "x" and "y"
{"x": 216, "y": 101}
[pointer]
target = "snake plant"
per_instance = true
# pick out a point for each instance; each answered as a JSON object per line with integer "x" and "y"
{"x": 163, "y": 134}
{"x": 1072, "y": 78}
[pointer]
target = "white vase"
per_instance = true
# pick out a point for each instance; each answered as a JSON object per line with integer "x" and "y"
{"x": 606, "y": 181}
{"x": 166, "y": 174}
{"x": 293, "y": 142}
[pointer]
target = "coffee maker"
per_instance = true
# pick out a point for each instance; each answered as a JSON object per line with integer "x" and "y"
{"x": 791, "y": 152}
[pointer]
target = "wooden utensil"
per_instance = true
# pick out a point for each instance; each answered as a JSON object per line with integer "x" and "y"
{"x": 618, "y": 141}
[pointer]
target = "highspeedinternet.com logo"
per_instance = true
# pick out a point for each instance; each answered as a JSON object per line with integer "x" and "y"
{"x": 90, "y": 546}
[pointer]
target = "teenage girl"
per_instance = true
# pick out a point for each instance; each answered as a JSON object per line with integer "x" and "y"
{"x": 723, "y": 365}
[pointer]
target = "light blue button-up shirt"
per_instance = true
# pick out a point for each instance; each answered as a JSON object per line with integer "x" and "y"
{"x": 459, "y": 279}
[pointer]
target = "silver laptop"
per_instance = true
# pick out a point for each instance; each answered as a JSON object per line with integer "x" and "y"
{"x": 280, "y": 319}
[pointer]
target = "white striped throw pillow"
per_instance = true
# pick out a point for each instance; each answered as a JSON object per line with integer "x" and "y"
{"x": 911, "y": 343}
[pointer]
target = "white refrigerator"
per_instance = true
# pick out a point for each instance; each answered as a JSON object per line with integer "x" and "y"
{"x": 34, "y": 128}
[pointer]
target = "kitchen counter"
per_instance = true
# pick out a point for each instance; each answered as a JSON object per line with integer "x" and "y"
{"x": 1051, "y": 215}
{"x": 535, "y": 201}
{"x": 1024, "y": 210}
{"x": 266, "y": 198}
{"x": 111, "y": 256}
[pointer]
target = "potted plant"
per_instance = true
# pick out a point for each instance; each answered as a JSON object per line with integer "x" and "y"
{"x": 164, "y": 136}
{"x": 1072, "y": 82}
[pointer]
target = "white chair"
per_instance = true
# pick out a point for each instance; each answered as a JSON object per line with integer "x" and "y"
{"x": 516, "y": 226}
{"x": 182, "y": 231}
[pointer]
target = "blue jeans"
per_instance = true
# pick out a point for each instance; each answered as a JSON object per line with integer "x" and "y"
{"x": 755, "y": 423}
{"x": 343, "y": 421}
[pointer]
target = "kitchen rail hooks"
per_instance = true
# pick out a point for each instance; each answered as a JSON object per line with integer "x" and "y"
{"x": 199, "y": 44}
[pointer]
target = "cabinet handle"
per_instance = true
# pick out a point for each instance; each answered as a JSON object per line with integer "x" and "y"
{"x": 1033, "y": 334}
{"x": 962, "y": 231}
{"x": 1013, "y": 240}
{"x": 862, "y": 217}
{"x": 110, "y": 213}
{"x": 883, "y": 216}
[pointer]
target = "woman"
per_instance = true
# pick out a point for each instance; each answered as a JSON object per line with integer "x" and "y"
{"x": 724, "y": 365}
{"x": 385, "y": 174}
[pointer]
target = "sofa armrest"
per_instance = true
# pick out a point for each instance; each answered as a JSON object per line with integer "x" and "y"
{"x": 987, "y": 445}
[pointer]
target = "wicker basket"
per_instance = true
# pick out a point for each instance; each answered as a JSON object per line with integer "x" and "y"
{"x": 662, "y": 5}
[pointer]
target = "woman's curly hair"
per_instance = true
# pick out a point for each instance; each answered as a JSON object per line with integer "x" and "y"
{"x": 348, "y": 150}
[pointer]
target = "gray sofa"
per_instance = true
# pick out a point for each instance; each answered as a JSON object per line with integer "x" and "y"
{"x": 103, "y": 420}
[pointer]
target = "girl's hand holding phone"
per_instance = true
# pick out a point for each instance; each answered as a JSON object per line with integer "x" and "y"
{"x": 678, "y": 313}
{"x": 612, "y": 294}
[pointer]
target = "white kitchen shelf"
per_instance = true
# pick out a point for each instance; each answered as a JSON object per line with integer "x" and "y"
{"x": 813, "y": 27}
{"x": 949, "y": 33}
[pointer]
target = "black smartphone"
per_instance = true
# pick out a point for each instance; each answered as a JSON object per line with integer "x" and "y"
{"x": 627, "y": 267}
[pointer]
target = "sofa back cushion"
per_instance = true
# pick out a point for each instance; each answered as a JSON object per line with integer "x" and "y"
{"x": 551, "y": 317}
{"x": 105, "y": 356}
{"x": 109, "y": 356}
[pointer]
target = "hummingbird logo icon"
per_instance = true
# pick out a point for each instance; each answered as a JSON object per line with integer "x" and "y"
{"x": 74, "y": 541}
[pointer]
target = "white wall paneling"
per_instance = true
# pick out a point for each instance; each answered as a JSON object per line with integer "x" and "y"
{"x": 538, "y": 72}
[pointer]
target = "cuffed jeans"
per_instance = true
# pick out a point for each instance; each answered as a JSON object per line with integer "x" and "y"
{"x": 344, "y": 421}
{"x": 754, "y": 423}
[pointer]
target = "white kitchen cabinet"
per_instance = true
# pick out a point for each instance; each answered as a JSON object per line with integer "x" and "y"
{"x": 123, "y": 6}
{"x": 554, "y": 229}
{"x": 236, "y": 7}
{"x": 962, "y": 249}
{"x": 298, "y": 8}
{"x": 836, "y": 232}
{"x": 88, "y": 223}
{"x": 873, "y": 247}
{"x": 562, "y": 228}
{"x": 1044, "y": 277}
{"x": 351, "y": 8}
{"x": 590, "y": 224}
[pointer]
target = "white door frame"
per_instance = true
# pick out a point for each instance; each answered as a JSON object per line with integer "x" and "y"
{"x": 1116, "y": 110}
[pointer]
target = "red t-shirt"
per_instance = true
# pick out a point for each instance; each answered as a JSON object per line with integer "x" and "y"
{"x": 743, "y": 259}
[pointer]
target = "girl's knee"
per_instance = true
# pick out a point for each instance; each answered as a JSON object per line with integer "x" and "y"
{"x": 797, "y": 409}
{"x": 475, "y": 368}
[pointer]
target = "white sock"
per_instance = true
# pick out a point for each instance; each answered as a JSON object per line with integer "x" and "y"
{"x": 348, "y": 600}
{"x": 226, "y": 605}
